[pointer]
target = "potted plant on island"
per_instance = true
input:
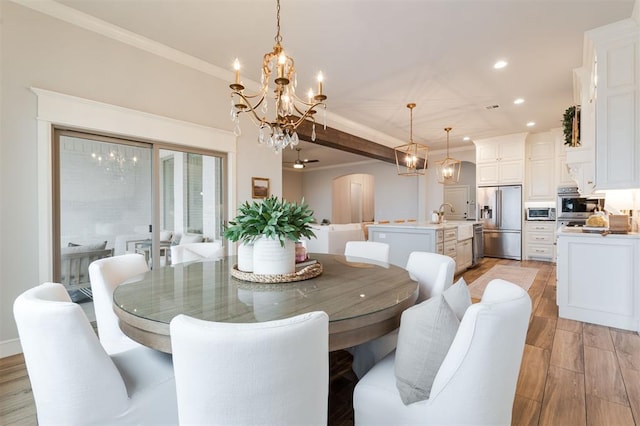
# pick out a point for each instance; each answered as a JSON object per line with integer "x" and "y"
{"x": 273, "y": 226}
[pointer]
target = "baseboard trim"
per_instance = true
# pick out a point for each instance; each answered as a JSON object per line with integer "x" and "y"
{"x": 10, "y": 347}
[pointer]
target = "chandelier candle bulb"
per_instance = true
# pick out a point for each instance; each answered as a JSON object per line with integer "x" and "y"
{"x": 320, "y": 78}
{"x": 236, "y": 67}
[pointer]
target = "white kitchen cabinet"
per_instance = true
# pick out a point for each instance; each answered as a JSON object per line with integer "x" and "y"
{"x": 539, "y": 241}
{"x": 450, "y": 243}
{"x": 404, "y": 239}
{"x": 464, "y": 255}
{"x": 540, "y": 184}
{"x": 598, "y": 279}
{"x": 617, "y": 54}
{"x": 500, "y": 160}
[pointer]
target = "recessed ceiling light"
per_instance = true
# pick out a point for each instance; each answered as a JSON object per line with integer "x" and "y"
{"x": 531, "y": 124}
{"x": 518, "y": 101}
{"x": 466, "y": 138}
{"x": 500, "y": 64}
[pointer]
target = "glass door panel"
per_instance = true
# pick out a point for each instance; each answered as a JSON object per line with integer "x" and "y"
{"x": 191, "y": 196}
{"x": 103, "y": 204}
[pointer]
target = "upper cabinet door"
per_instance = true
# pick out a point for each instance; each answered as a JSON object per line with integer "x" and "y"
{"x": 617, "y": 112}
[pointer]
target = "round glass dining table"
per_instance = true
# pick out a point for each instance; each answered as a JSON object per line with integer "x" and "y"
{"x": 364, "y": 299}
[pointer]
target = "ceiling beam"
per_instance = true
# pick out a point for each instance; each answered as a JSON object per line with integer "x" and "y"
{"x": 337, "y": 139}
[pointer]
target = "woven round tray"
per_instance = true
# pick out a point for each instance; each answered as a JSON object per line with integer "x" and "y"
{"x": 305, "y": 273}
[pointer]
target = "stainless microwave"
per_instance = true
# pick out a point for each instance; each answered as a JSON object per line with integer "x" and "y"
{"x": 572, "y": 205}
{"x": 540, "y": 213}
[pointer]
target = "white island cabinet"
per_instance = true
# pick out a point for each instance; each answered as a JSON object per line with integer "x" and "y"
{"x": 599, "y": 279}
{"x": 446, "y": 238}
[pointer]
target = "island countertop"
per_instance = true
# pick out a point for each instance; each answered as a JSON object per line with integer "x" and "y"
{"x": 425, "y": 224}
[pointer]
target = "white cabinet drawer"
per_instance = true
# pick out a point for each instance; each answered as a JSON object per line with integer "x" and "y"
{"x": 451, "y": 234}
{"x": 439, "y": 236}
{"x": 541, "y": 227}
{"x": 537, "y": 238}
{"x": 540, "y": 251}
{"x": 450, "y": 248}
{"x": 440, "y": 249}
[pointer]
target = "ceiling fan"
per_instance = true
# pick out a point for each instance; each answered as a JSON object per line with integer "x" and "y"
{"x": 299, "y": 164}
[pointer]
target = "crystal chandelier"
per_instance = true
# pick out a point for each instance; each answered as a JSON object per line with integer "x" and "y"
{"x": 289, "y": 110}
{"x": 411, "y": 158}
{"x": 448, "y": 170}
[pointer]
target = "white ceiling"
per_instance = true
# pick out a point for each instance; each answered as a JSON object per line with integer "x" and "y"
{"x": 378, "y": 55}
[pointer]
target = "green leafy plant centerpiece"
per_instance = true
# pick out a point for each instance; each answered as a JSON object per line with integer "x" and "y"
{"x": 271, "y": 218}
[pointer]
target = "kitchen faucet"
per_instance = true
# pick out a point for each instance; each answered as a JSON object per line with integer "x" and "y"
{"x": 441, "y": 211}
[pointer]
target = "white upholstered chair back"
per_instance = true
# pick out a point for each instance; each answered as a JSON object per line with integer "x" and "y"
{"x": 70, "y": 372}
{"x": 434, "y": 273}
{"x": 477, "y": 380}
{"x": 105, "y": 275}
{"x": 368, "y": 250}
{"x": 273, "y": 372}
{"x": 74, "y": 380}
{"x": 192, "y": 252}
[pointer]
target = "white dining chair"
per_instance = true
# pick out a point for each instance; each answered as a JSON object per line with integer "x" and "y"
{"x": 192, "y": 252}
{"x": 73, "y": 379}
{"x": 271, "y": 373}
{"x": 434, "y": 273}
{"x": 476, "y": 381}
{"x": 105, "y": 275}
{"x": 367, "y": 250}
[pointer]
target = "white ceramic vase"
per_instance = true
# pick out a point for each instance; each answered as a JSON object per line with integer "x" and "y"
{"x": 245, "y": 257}
{"x": 270, "y": 258}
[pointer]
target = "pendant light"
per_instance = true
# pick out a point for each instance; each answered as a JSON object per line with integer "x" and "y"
{"x": 411, "y": 158}
{"x": 448, "y": 170}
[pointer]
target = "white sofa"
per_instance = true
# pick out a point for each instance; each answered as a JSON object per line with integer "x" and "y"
{"x": 333, "y": 238}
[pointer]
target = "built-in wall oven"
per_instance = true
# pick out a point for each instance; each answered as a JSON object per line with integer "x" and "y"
{"x": 573, "y": 206}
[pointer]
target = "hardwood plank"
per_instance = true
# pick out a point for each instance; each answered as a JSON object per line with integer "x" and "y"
{"x": 602, "y": 376}
{"x": 547, "y": 308}
{"x": 549, "y": 293}
{"x": 525, "y": 412}
{"x": 533, "y": 373}
{"x": 564, "y": 398}
{"x": 541, "y": 332}
{"x": 631, "y": 379}
{"x": 569, "y": 325}
{"x": 567, "y": 351}
{"x": 11, "y": 361}
{"x": 627, "y": 345}
{"x": 605, "y": 413}
{"x": 597, "y": 336}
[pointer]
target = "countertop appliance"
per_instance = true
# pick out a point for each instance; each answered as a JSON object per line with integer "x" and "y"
{"x": 540, "y": 213}
{"x": 572, "y": 205}
{"x": 501, "y": 217}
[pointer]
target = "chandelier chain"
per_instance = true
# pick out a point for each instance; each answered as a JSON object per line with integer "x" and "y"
{"x": 278, "y": 37}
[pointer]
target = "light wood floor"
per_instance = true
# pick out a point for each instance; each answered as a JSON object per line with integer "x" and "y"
{"x": 572, "y": 373}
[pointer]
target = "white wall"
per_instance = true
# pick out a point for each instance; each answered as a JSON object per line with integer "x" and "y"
{"x": 292, "y": 185}
{"x": 396, "y": 197}
{"x": 40, "y": 51}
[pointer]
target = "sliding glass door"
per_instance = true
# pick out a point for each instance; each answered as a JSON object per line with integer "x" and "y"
{"x": 113, "y": 196}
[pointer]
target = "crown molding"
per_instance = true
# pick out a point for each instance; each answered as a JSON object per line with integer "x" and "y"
{"x": 98, "y": 26}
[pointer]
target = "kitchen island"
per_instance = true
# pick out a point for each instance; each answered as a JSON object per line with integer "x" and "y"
{"x": 452, "y": 238}
{"x": 599, "y": 278}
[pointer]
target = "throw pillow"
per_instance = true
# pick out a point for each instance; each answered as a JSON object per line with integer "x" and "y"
{"x": 458, "y": 297}
{"x": 426, "y": 333}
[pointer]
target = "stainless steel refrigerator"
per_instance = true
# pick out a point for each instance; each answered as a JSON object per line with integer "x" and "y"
{"x": 501, "y": 215}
